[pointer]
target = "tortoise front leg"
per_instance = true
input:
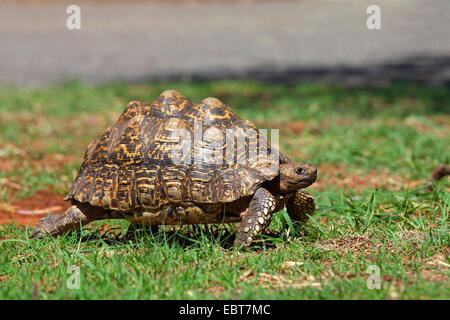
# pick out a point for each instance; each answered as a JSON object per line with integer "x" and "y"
{"x": 257, "y": 219}
{"x": 300, "y": 205}
{"x": 77, "y": 215}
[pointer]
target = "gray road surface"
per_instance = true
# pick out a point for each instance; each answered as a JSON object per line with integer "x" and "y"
{"x": 324, "y": 40}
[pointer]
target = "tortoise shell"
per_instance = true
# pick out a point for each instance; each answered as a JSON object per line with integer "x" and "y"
{"x": 132, "y": 165}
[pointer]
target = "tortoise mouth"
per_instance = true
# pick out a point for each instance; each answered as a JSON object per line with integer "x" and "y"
{"x": 292, "y": 186}
{"x": 310, "y": 179}
{"x": 312, "y": 176}
{"x": 307, "y": 182}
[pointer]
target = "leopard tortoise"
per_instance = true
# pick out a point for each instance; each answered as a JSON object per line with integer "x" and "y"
{"x": 172, "y": 162}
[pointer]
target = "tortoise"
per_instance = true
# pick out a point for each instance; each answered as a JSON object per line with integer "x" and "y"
{"x": 147, "y": 168}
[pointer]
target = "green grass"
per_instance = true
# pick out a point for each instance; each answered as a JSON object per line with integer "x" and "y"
{"x": 374, "y": 148}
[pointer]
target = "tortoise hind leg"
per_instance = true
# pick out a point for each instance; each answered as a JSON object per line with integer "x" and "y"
{"x": 138, "y": 229}
{"x": 257, "y": 219}
{"x": 77, "y": 215}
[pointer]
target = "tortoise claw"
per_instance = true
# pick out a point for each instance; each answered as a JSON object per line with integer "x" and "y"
{"x": 37, "y": 234}
{"x": 40, "y": 231}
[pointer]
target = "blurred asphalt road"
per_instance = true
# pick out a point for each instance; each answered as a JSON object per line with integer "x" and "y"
{"x": 286, "y": 41}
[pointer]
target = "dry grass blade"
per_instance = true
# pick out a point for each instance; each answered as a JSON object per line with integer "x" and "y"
{"x": 246, "y": 274}
{"x": 39, "y": 211}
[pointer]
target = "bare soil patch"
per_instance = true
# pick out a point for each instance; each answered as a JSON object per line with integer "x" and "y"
{"x": 30, "y": 210}
{"x": 352, "y": 178}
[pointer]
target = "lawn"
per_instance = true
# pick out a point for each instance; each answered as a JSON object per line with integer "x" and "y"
{"x": 374, "y": 148}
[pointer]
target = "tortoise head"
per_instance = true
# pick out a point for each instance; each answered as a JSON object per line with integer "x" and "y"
{"x": 296, "y": 175}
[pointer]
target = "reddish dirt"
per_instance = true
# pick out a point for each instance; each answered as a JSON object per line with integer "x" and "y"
{"x": 340, "y": 176}
{"x": 30, "y": 210}
{"x": 296, "y": 127}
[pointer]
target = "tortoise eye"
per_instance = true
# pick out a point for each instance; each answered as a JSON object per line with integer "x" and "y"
{"x": 300, "y": 170}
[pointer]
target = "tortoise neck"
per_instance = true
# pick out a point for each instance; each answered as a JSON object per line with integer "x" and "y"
{"x": 274, "y": 186}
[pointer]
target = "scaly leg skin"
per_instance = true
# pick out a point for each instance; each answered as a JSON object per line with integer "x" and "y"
{"x": 300, "y": 205}
{"x": 256, "y": 220}
{"x": 77, "y": 215}
{"x": 137, "y": 229}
